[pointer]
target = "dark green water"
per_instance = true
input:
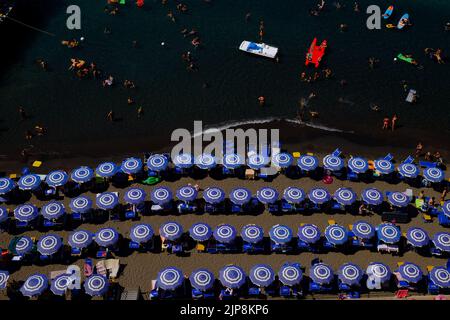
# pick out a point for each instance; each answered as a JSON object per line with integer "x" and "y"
{"x": 74, "y": 111}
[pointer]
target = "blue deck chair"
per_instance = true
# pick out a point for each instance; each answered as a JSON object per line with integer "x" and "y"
{"x": 44, "y": 258}
{"x": 151, "y": 173}
{"x": 154, "y": 294}
{"x": 225, "y": 295}
{"x": 408, "y": 160}
{"x": 274, "y": 208}
{"x": 403, "y": 284}
{"x": 208, "y": 294}
{"x": 286, "y": 206}
{"x": 427, "y": 164}
{"x": 443, "y": 220}
{"x": 103, "y": 253}
{"x": 130, "y": 215}
{"x": 196, "y": 294}
{"x": 328, "y": 245}
{"x": 177, "y": 249}
{"x": 336, "y": 153}
{"x": 354, "y": 294}
{"x": 134, "y": 245}
{"x": 314, "y": 287}
{"x": 448, "y": 265}
{"x": 436, "y": 252}
{"x": 432, "y": 288}
{"x": 236, "y": 208}
{"x": 388, "y": 157}
{"x": 48, "y": 223}
{"x": 21, "y": 224}
{"x": 344, "y": 287}
{"x": 352, "y": 176}
{"x": 285, "y": 291}
{"x": 76, "y": 216}
{"x": 254, "y": 291}
{"x": 337, "y": 207}
{"x": 75, "y": 252}
{"x": 302, "y": 245}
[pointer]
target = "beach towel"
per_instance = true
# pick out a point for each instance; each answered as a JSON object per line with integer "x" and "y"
{"x": 101, "y": 268}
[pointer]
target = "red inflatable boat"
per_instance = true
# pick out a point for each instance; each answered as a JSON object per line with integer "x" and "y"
{"x": 315, "y": 53}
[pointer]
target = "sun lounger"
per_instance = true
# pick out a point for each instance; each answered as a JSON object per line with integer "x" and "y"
{"x": 388, "y": 157}
{"x": 254, "y": 292}
{"x": 427, "y": 164}
{"x": 336, "y": 153}
{"x": 408, "y": 159}
{"x": 196, "y": 294}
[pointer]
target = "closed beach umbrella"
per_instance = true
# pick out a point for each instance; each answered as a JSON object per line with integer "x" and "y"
{"x": 232, "y": 161}
{"x": 183, "y": 160}
{"x": 35, "y": 285}
{"x": 157, "y": 162}
{"x": 252, "y": 233}
{"x": 49, "y": 244}
{"x": 345, "y": 196}
{"x": 408, "y": 170}
{"x": 106, "y": 237}
{"x": 309, "y": 233}
{"x": 350, "y": 274}
{"x": 336, "y": 234}
{"x": 134, "y": 196}
{"x": 106, "y": 169}
{"x": 6, "y": 185}
{"x": 307, "y": 162}
{"x": 4, "y": 276}
{"x": 257, "y": 161}
{"x": 107, "y": 200}
{"x": 200, "y": 232}
{"x": 214, "y": 195}
{"x": 24, "y": 245}
{"x": 3, "y": 214}
{"x": 372, "y": 196}
{"x": 434, "y": 175}
{"x": 384, "y": 166}
{"x": 60, "y": 284}
{"x": 290, "y": 274}
{"x": 363, "y": 230}
{"x": 262, "y": 275}
{"x": 57, "y": 178}
{"x": 446, "y": 208}
{"x": 441, "y": 241}
{"x": 280, "y": 234}
{"x": 171, "y": 231}
{"x": 131, "y": 165}
{"x": 232, "y": 276}
{"x": 187, "y": 193}
{"x": 81, "y": 204}
{"x": 358, "y": 165}
{"x": 294, "y": 195}
{"x": 80, "y": 239}
{"x": 411, "y": 272}
{"x": 29, "y": 182}
{"x": 53, "y": 210}
{"x": 82, "y": 174}
{"x": 321, "y": 273}
{"x": 205, "y": 161}
{"x": 161, "y": 195}
{"x": 398, "y": 199}
{"x": 96, "y": 285}
{"x": 224, "y": 233}
{"x": 169, "y": 278}
{"x": 25, "y": 212}
{"x": 417, "y": 237}
{"x": 379, "y": 271}
{"x": 202, "y": 279}
{"x": 388, "y": 233}
{"x": 333, "y": 163}
{"x": 267, "y": 195}
{"x": 440, "y": 277}
{"x": 141, "y": 233}
{"x": 240, "y": 196}
{"x": 282, "y": 160}
{"x": 319, "y": 195}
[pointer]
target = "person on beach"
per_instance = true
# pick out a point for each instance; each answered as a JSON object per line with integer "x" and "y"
{"x": 385, "y": 123}
{"x": 110, "y": 116}
{"x": 421, "y": 195}
{"x": 419, "y": 149}
{"x": 444, "y": 194}
{"x": 393, "y": 121}
{"x": 363, "y": 210}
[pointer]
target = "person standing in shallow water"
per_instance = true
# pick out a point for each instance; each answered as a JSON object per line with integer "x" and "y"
{"x": 140, "y": 112}
{"x": 22, "y": 113}
{"x": 110, "y": 116}
{"x": 385, "y": 123}
{"x": 394, "y": 121}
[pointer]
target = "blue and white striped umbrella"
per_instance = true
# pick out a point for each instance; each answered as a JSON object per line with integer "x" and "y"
{"x": 107, "y": 200}
{"x": 82, "y": 174}
{"x": 388, "y": 233}
{"x": 161, "y": 195}
{"x": 202, "y": 279}
{"x": 200, "y": 232}
{"x": 252, "y": 233}
{"x": 410, "y": 272}
{"x": 441, "y": 241}
{"x": 96, "y": 285}
{"x": 372, "y": 196}
{"x": 434, "y": 175}
{"x": 81, "y": 204}
{"x": 446, "y": 208}
{"x": 4, "y": 276}
{"x": 309, "y": 233}
{"x": 57, "y": 178}
{"x": 257, "y": 161}
{"x": 29, "y": 182}
{"x": 232, "y": 276}
{"x": 294, "y": 195}
{"x": 398, "y": 199}
{"x": 169, "y": 278}
{"x": 134, "y": 196}
{"x": 171, "y": 230}
{"x": 24, "y": 245}
{"x": 350, "y": 274}
{"x": 363, "y": 230}
{"x": 240, "y": 196}
{"x": 49, "y": 244}
{"x": 333, "y": 163}
{"x": 308, "y": 163}
{"x": 80, "y": 239}
{"x": 60, "y": 284}
{"x": 408, "y": 170}
{"x": 205, "y": 161}
{"x": 358, "y": 165}
{"x": 345, "y": 196}
{"x": 141, "y": 233}
{"x": 53, "y": 210}
{"x": 183, "y": 160}
{"x": 319, "y": 195}
{"x": 131, "y": 165}
{"x": 290, "y": 274}
{"x": 214, "y": 195}
{"x": 107, "y": 169}
{"x": 440, "y": 276}
{"x": 267, "y": 195}
{"x": 187, "y": 193}
{"x": 280, "y": 234}
{"x": 232, "y": 161}
{"x": 262, "y": 275}
{"x": 26, "y": 212}
{"x": 157, "y": 162}
{"x": 321, "y": 273}
{"x": 384, "y": 166}
{"x": 224, "y": 233}
{"x": 379, "y": 271}
{"x": 6, "y": 185}
{"x": 35, "y": 285}
{"x": 417, "y": 237}
{"x": 106, "y": 237}
{"x": 3, "y": 214}
{"x": 282, "y": 160}
{"x": 336, "y": 234}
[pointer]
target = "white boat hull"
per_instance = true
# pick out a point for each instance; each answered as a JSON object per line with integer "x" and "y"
{"x": 260, "y": 49}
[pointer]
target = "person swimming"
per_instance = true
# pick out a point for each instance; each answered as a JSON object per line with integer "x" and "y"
{"x": 70, "y": 43}
{"x": 108, "y": 81}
